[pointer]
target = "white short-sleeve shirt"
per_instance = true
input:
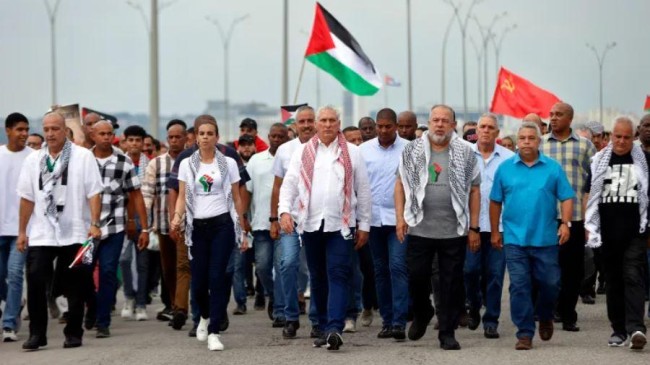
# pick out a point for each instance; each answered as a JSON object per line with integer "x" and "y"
{"x": 10, "y": 165}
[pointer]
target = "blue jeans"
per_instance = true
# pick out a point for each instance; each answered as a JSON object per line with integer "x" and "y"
{"x": 391, "y": 275}
{"x": 356, "y": 286}
{"x": 525, "y": 264}
{"x": 142, "y": 265}
{"x": 12, "y": 263}
{"x": 236, "y": 268}
{"x": 289, "y": 267}
{"x": 213, "y": 240}
{"x": 329, "y": 257}
{"x": 267, "y": 259}
{"x": 486, "y": 265}
{"x": 108, "y": 256}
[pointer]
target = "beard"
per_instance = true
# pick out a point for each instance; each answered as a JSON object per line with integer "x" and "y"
{"x": 438, "y": 140}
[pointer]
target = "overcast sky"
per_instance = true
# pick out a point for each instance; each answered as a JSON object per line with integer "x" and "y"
{"x": 102, "y": 50}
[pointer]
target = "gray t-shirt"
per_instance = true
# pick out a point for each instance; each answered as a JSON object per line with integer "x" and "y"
{"x": 440, "y": 220}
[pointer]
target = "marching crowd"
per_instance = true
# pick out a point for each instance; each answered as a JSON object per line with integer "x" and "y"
{"x": 384, "y": 216}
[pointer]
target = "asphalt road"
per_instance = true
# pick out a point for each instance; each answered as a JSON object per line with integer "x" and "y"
{"x": 251, "y": 340}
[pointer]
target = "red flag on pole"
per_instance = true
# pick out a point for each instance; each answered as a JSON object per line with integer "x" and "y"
{"x": 646, "y": 107}
{"x": 516, "y": 97}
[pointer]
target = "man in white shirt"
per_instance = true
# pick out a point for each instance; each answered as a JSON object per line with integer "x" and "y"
{"x": 267, "y": 250}
{"x": 293, "y": 266}
{"x": 12, "y": 261}
{"x": 327, "y": 175}
{"x": 60, "y": 188}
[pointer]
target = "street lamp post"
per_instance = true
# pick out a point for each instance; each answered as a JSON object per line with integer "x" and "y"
{"x": 408, "y": 42}
{"x": 285, "y": 53}
{"x": 443, "y": 86}
{"x": 462, "y": 23}
{"x": 479, "y": 56}
{"x": 497, "y": 45}
{"x": 601, "y": 60}
{"x": 486, "y": 33}
{"x": 225, "y": 41}
{"x": 51, "y": 14}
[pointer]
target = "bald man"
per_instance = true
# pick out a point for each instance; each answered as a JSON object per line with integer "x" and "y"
{"x": 87, "y": 128}
{"x": 407, "y": 123}
{"x": 532, "y": 117}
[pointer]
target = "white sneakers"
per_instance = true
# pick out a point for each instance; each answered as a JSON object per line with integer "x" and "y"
{"x": 127, "y": 310}
{"x": 366, "y": 317}
{"x": 202, "y": 329}
{"x": 141, "y": 314}
{"x": 637, "y": 341}
{"x": 9, "y": 335}
{"x": 350, "y": 326}
{"x": 214, "y": 342}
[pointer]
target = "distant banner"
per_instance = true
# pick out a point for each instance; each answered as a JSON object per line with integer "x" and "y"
{"x": 72, "y": 121}
{"x": 289, "y": 113}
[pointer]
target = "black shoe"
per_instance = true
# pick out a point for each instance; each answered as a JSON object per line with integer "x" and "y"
{"x": 449, "y": 343}
{"x": 474, "y": 320}
{"x": 260, "y": 302}
{"x": 269, "y": 308}
{"x": 302, "y": 306}
{"x": 601, "y": 289}
{"x": 570, "y": 327}
{"x": 588, "y": 299}
{"x": 250, "y": 291}
{"x": 334, "y": 341}
{"x": 102, "y": 333}
{"x": 165, "y": 315}
{"x": 64, "y": 318}
{"x": 178, "y": 321}
{"x": 241, "y": 309}
{"x": 320, "y": 341}
{"x": 491, "y": 332}
{"x": 290, "y": 329}
{"x": 225, "y": 323}
{"x": 419, "y": 325}
{"x": 90, "y": 319}
{"x": 71, "y": 342}
{"x": 34, "y": 342}
{"x": 463, "y": 319}
{"x": 279, "y": 323}
{"x": 398, "y": 333}
{"x": 192, "y": 332}
{"x": 386, "y": 332}
{"x": 315, "y": 333}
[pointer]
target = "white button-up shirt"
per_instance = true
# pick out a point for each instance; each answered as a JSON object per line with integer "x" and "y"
{"x": 261, "y": 187}
{"x": 382, "y": 164}
{"x": 488, "y": 168}
{"x": 327, "y": 198}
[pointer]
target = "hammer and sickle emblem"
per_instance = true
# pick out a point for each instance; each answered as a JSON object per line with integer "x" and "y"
{"x": 508, "y": 85}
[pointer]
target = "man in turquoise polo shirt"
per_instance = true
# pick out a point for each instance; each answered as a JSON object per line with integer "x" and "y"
{"x": 526, "y": 188}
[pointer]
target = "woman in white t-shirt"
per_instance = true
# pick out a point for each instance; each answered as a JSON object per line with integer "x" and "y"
{"x": 209, "y": 205}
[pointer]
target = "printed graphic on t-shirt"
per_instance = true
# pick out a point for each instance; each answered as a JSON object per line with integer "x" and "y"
{"x": 434, "y": 172}
{"x": 620, "y": 185}
{"x": 206, "y": 181}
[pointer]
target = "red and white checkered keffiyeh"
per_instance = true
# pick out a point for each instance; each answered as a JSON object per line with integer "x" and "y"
{"x": 307, "y": 175}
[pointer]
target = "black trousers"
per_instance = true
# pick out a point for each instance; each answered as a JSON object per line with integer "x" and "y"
{"x": 624, "y": 265}
{"x": 72, "y": 283}
{"x": 369, "y": 289}
{"x": 589, "y": 283}
{"x": 420, "y": 254}
{"x": 572, "y": 267}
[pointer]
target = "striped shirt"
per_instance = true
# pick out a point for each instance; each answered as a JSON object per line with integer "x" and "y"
{"x": 154, "y": 192}
{"x": 574, "y": 155}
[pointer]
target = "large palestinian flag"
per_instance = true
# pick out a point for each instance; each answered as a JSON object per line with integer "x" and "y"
{"x": 333, "y": 49}
{"x": 288, "y": 113}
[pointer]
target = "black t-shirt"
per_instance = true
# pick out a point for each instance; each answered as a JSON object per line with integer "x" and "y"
{"x": 619, "y": 203}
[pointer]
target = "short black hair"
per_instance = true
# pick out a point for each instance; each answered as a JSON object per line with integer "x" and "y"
{"x": 156, "y": 144}
{"x": 174, "y": 122}
{"x": 37, "y": 135}
{"x": 423, "y": 128}
{"x": 246, "y": 139}
{"x": 15, "y": 118}
{"x": 387, "y": 113}
{"x": 349, "y": 129}
{"x": 135, "y": 131}
{"x": 151, "y": 137}
{"x": 248, "y": 123}
{"x": 190, "y": 130}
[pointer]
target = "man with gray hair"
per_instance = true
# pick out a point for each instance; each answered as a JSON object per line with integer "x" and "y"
{"x": 437, "y": 202}
{"x": 327, "y": 176}
{"x": 525, "y": 189}
{"x": 617, "y": 221}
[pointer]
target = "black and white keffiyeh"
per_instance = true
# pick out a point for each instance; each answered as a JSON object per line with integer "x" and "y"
{"x": 52, "y": 185}
{"x": 599, "y": 165}
{"x": 194, "y": 164}
{"x": 413, "y": 170}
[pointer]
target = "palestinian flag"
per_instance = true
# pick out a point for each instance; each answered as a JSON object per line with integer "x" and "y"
{"x": 646, "y": 107}
{"x": 289, "y": 113}
{"x": 333, "y": 49}
{"x": 84, "y": 254}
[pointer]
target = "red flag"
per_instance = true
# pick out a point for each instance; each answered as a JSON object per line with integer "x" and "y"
{"x": 646, "y": 107}
{"x": 516, "y": 97}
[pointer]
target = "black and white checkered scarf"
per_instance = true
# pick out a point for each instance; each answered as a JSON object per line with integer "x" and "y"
{"x": 413, "y": 170}
{"x": 599, "y": 165}
{"x": 195, "y": 163}
{"x": 53, "y": 189}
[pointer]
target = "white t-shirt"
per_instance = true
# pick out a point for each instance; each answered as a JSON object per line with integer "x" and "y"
{"x": 209, "y": 197}
{"x": 283, "y": 157}
{"x": 10, "y": 164}
{"x": 84, "y": 182}
{"x": 261, "y": 186}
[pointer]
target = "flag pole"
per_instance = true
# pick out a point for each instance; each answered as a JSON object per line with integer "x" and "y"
{"x": 302, "y": 70}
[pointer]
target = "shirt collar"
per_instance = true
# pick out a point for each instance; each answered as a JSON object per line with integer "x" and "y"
{"x": 392, "y": 145}
{"x": 572, "y": 135}
{"x": 541, "y": 158}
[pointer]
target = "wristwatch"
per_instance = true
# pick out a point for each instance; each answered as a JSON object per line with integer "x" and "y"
{"x": 475, "y": 229}
{"x": 273, "y": 219}
{"x": 145, "y": 230}
{"x": 568, "y": 224}
{"x": 95, "y": 224}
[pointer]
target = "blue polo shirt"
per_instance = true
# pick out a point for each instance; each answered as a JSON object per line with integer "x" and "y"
{"x": 529, "y": 196}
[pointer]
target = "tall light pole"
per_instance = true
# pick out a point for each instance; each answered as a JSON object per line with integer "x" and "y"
{"x": 601, "y": 60}
{"x": 462, "y": 24}
{"x": 497, "y": 45}
{"x": 225, "y": 41}
{"x": 408, "y": 42}
{"x": 285, "y": 53}
{"x": 486, "y": 33}
{"x": 443, "y": 86}
{"x": 51, "y": 14}
{"x": 479, "y": 57}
